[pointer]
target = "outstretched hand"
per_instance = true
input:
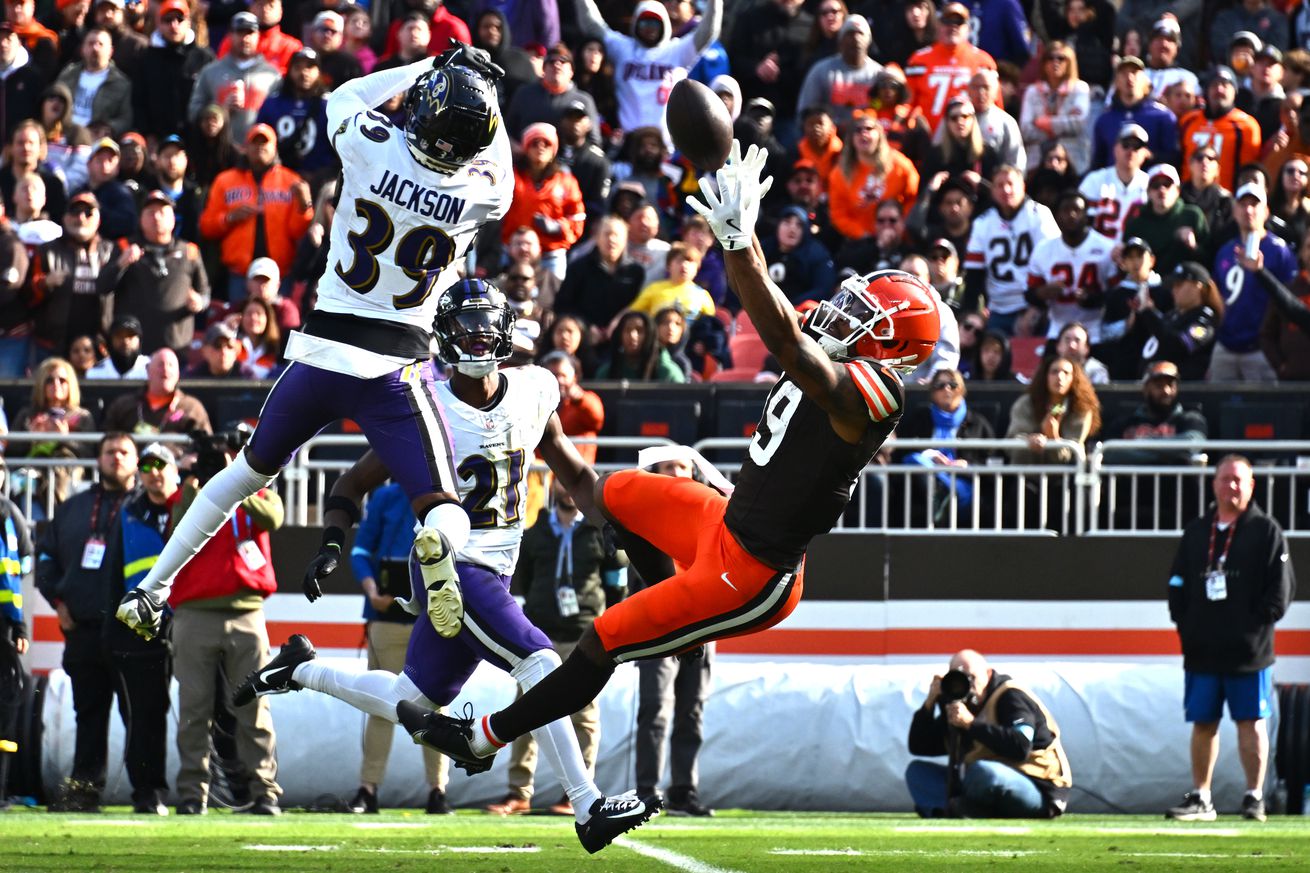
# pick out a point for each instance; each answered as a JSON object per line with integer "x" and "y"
{"x": 734, "y": 208}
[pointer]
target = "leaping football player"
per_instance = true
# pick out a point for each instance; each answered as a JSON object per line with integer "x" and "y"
{"x": 496, "y": 420}
{"x": 743, "y": 555}
{"x": 413, "y": 196}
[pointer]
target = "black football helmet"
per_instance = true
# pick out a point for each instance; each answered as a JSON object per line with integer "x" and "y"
{"x": 450, "y": 116}
{"x": 474, "y": 326}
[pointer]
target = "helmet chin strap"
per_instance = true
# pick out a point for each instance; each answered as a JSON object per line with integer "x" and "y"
{"x": 476, "y": 369}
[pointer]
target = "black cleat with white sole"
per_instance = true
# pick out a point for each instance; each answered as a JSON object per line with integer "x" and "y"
{"x": 275, "y": 676}
{"x": 452, "y": 737}
{"x": 613, "y": 817}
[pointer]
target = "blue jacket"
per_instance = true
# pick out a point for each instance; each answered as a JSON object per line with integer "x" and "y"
{"x": 1002, "y": 30}
{"x": 386, "y": 533}
{"x": 15, "y": 562}
{"x": 1160, "y": 124}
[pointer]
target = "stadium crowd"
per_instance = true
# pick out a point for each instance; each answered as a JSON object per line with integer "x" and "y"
{"x": 1096, "y": 191}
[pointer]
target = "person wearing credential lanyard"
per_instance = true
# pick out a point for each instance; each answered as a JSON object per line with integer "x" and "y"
{"x": 1232, "y": 580}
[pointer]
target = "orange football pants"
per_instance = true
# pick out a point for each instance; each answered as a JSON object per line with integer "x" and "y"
{"x": 723, "y": 591}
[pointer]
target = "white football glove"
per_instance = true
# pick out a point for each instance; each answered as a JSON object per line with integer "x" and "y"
{"x": 733, "y": 209}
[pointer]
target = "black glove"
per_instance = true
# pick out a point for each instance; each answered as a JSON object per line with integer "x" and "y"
{"x": 324, "y": 565}
{"x": 17, "y": 631}
{"x": 475, "y": 59}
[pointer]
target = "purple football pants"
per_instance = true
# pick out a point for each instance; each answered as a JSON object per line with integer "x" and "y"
{"x": 495, "y": 630}
{"x": 398, "y": 413}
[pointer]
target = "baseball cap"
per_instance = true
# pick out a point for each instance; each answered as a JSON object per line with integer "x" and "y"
{"x": 944, "y": 243}
{"x": 86, "y": 197}
{"x": 1167, "y": 26}
{"x": 1193, "y": 271}
{"x": 265, "y": 267}
{"x": 1247, "y": 37}
{"x": 118, "y": 3}
{"x": 559, "y": 50}
{"x": 760, "y": 106}
{"x": 797, "y": 212}
{"x": 1225, "y": 74}
{"x": 1130, "y": 61}
{"x": 1166, "y": 170}
{"x": 128, "y": 323}
{"x": 630, "y": 187}
{"x": 106, "y": 143}
{"x": 855, "y": 22}
{"x": 261, "y": 131}
{"x": 958, "y": 10}
{"x": 327, "y": 16}
{"x": 172, "y": 140}
{"x": 157, "y": 452}
{"x": 245, "y": 21}
{"x": 960, "y": 99}
{"x": 133, "y": 137}
{"x": 574, "y": 107}
{"x": 219, "y": 330}
{"x": 1136, "y": 242}
{"x": 1162, "y": 369}
{"x": 1252, "y": 189}
{"x": 306, "y": 54}
{"x": 1133, "y": 131}
{"x": 540, "y": 130}
{"x": 1270, "y": 53}
{"x": 179, "y": 6}
{"x": 803, "y": 165}
{"x": 157, "y": 196}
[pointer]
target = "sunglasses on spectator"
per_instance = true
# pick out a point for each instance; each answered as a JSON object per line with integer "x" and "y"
{"x": 172, "y": 18}
{"x": 1161, "y": 183}
{"x": 82, "y": 211}
{"x": 1204, "y": 156}
{"x": 1132, "y": 144}
{"x": 956, "y": 116}
{"x": 951, "y": 384}
{"x": 971, "y": 326}
{"x": 952, "y": 21}
{"x": 328, "y": 30}
{"x": 152, "y": 465}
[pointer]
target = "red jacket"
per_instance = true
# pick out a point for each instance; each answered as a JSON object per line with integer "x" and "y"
{"x": 557, "y": 197}
{"x": 276, "y": 47}
{"x": 444, "y": 25}
{"x": 219, "y": 570}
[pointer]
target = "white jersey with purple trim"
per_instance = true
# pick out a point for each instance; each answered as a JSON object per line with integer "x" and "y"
{"x": 399, "y": 233}
{"x": 1002, "y": 248}
{"x": 1081, "y": 269}
{"x": 1109, "y": 199}
{"x": 492, "y": 450}
{"x": 644, "y": 76}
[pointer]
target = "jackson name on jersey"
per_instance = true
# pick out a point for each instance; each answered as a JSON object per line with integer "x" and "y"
{"x": 492, "y": 450}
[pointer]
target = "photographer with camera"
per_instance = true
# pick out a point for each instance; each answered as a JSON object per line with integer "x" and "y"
{"x": 218, "y": 622}
{"x": 1005, "y": 756}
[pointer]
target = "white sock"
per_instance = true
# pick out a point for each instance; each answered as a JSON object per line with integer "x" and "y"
{"x": 1257, "y": 793}
{"x": 213, "y": 505}
{"x": 1203, "y": 794}
{"x": 452, "y": 521}
{"x": 558, "y": 742}
{"x": 373, "y": 691}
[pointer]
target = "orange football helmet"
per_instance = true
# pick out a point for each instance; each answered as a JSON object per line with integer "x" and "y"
{"x": 887, "y": 316}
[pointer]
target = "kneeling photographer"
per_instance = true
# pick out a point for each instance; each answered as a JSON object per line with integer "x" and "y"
{"x": 1005, "y": 757}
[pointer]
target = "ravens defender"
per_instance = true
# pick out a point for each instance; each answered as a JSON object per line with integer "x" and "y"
{"x": 412, "y": 199}
{"x": 496, "y": 419}
{"x": 839, "y": 399}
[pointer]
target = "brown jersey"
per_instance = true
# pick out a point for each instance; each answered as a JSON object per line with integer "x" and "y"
{"x": 798, "y": 474}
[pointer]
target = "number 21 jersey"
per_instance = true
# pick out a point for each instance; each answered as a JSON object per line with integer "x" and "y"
{"x": 798, "y": 474}
{"x": 492, "y": 450}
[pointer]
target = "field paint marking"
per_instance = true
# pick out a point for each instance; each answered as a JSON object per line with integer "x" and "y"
{"x": 1175, "y": 832}
{"x": 383, "y": 825}
{"x": 117, "y": 822}
{"x": 673, "y": 859}
{"x": 823, "y": 852}
{"x": 459, "y": 850}
{"x": 1201, "y": 855}
{"x": 1011, "y": 831}
{"x": 261, "y": 848}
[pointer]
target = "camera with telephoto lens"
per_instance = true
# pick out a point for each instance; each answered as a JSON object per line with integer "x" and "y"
{"x": 956, "y": 685}
{"x": 212, "y": 450}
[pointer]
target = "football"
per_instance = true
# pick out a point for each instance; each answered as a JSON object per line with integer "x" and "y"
{"x": 699, "y": 123}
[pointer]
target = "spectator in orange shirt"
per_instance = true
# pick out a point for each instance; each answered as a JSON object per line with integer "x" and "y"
{"x": 868, "y": 173}
{"x": 41, "y": 42}
{"x": 939, "y": 72}
{"x": 276, "y": 46}
{"x": 546, "y": 198}
{"x": 581, "y": 412}
{"x": 819, "y": 142}
{"x": 1234, "y": 135}
{"x": 906, "y": 128}
{"x": 259, "y": 210}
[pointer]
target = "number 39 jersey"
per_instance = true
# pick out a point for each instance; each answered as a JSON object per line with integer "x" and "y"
{"x": 492, "y": 450}
{"x": 398, "y": 233}
{"x": 798, "y": 474}
{"x": 1002, "y": 248}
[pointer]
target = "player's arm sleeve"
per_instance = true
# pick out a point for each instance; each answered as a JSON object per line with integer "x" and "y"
{"x": 707, "y": 31}
{"x": 883, "y": 393}
{"x": 590, "y": 19}
{"x": 366, "y": 92}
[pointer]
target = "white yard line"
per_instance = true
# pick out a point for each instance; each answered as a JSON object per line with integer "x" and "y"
{"x": 386, "y": 825}
{"x": 459, "y": 850}
{"x": 1182, "y": 831}
{"x": 1006, "y": 830}
{"x": 263, "y": 848}
{"x": 686, "y": 863}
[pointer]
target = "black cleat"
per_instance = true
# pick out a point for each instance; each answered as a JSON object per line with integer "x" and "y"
{"x": 1252, "y": 809}
{"x": 452, "y": 737}
{"x": 1193, "y": 808}
{"x": 614, "y": 816}
{"x": 275, "y": 676}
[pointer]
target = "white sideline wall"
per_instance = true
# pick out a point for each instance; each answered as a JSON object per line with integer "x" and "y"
{"x": 778, "y": 735}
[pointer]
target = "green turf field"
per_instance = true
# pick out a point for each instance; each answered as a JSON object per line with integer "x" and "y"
{"x": 732, "y": 842}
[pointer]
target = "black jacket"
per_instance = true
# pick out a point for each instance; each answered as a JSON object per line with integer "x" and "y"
{"x": 154, "y": 289}
{"x": 171, "y": 71}
{"x": 1176, "y": 427}
{"x": 592, "y": 170}
{"x": 534, "y": 577}
{"x": 69, "y": 306}
{"x": 60, "y": 576}
{"x": 596, "y": 294}
{"x": 1186, "y": 338}
{"x": 1236, "y": 634}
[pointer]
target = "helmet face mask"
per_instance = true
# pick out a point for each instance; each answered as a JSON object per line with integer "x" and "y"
{"x": 887, "y": 316}
{"x": 449, "y": 118}
{"x": 474, "y": 327}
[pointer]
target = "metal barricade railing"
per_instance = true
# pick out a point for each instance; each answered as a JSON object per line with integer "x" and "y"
{"x": 1040, "y": 499}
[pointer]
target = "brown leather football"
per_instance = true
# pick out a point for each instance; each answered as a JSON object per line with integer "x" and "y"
{"x": 699, "y": 123}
